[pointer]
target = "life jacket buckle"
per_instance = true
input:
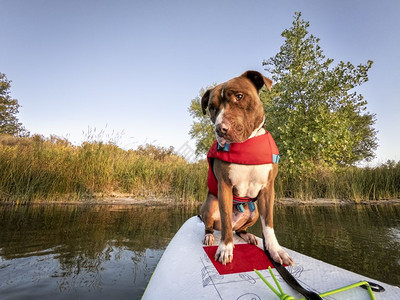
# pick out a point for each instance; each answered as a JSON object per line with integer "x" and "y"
{"x": 252, "y": 207}
{"x": 240, "y": 208}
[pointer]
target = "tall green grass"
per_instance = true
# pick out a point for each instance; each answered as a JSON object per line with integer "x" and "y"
{"x": 51, "y": 169}
{"x": 35, "y": 169}
{"x": 348, "y": 183}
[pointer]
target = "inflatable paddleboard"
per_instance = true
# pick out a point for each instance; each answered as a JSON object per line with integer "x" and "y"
{"x": 187, "y": 270}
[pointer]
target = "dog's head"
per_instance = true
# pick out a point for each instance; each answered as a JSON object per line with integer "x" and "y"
{"x": 235, "y": 107}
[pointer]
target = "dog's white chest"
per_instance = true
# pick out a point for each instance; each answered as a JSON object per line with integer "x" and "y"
{"x": 248, "y": 180}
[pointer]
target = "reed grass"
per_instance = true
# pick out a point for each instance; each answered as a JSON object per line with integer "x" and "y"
{"x": 37, "y": 169}
{"x": 348, "y": 183}
{"x": 52, "y": 169}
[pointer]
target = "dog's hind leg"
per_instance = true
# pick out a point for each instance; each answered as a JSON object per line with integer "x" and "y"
{"x": 242, "y": 232}
{"x": 248, "y": 237}
{"x": 210, "y": 216}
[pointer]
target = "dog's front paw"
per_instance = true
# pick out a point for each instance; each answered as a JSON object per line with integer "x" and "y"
{"x": 248, "y": 237}
{"x": 208, "y": 239}
{"x": 278, "y": 254}
{"x": 224, "y": 253}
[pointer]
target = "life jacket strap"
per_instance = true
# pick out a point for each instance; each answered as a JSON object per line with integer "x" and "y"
{"x": 240, "y": 202}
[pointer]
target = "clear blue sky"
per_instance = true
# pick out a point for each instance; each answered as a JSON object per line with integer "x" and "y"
{"x": 134, "y": 66}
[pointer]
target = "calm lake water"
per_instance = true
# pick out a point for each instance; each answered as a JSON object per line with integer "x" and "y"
{"x": 110, "y": 251}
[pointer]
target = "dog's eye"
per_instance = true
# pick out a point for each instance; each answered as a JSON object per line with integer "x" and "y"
{"x": 239, "y": 97}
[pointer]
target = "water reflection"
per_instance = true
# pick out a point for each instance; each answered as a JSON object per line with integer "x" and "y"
{"x": 96, "y": 252}
{"x": 90, "y": 251}
{"x": 358, "y": 238}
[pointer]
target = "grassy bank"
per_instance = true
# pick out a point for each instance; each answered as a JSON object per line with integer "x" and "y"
{"x": 36, "y": 168}
{"x": 350, "y": 183}
{"x": 53, "y": 169}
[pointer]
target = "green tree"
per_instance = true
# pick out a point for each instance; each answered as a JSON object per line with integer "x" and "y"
{"x": 202, "y": 129}
{"x": 8, "y": 110}
{"x": 316, "y": 117}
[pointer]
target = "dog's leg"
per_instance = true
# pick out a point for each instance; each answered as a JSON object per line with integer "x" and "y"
{"x": 210, "y": 214}
{"x": 242, "y": 232}
{"x": 225, "y": 249}
{"x": 224, "y": 252}
{"x": 248, "y": 237}
{"x": 266, "y": 208}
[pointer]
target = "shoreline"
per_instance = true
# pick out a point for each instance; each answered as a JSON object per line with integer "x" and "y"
{"x": 149, "y": 202}
{"x": 333, "y": 202}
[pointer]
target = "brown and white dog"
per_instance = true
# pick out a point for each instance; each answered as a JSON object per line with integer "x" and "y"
{"x": 238, "y": 115}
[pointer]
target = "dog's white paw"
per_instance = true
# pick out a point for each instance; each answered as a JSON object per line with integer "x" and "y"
{"x": 224, "y": 253}
{"x": 278, "y": 254}
{"x": 208, "y": 239}
{"x": 249, "y": 238}
{"x": 281, "y": 256}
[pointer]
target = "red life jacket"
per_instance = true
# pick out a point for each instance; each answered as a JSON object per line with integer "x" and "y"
{"x": 258, "y": 150}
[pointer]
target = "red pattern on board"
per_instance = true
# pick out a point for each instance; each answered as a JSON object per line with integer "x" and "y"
{"x": 246, "y": 258}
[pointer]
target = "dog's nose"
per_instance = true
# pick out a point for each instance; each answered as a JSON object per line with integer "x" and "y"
{"x": 222, "y": 129}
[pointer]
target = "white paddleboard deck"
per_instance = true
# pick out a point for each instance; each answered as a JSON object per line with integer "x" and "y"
{"x": 185, "y": 272}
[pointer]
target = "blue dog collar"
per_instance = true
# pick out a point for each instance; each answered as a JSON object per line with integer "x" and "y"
{"x": 225, "y": 148}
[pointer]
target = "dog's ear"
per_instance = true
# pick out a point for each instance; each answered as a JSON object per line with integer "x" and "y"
{"x": 204, "y": 101}
{"x": 258, "y": 79}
